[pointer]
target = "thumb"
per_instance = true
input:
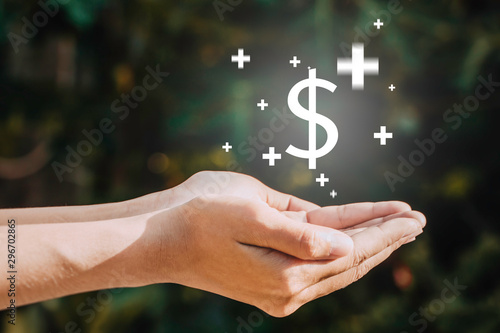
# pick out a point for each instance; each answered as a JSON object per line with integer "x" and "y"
{"x": 306, "y": 241}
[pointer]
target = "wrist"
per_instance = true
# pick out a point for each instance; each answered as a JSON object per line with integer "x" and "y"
{"x": 166, "y": 239}
{"x": 130, "y": 265}
{"x": 148, "y": 203}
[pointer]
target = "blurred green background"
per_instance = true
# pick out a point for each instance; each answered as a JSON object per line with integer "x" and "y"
{"x": 64, "y": 78}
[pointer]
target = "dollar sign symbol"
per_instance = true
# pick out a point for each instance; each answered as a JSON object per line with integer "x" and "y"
{"x": 313, "y": 118}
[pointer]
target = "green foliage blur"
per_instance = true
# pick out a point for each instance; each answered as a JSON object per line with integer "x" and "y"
{"x": 65, "y": 78}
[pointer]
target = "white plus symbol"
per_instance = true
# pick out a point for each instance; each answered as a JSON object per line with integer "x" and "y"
{"x": 358, "y": 66}
{"x": 262, "y": 105}
{"x": 322, "y": 180}
{"x": 241, "y": 58}
{"x": 271, "y": 156}
{"x": 392, "y": 87}
{"x": 295, "y": 61}
{"x": 378, "y": 24}
{"x": 383, "y": 135}
{"x": 333, "y": 194}
{"x": 227, "y": 147}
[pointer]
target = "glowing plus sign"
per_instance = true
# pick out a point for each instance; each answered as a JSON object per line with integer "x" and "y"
{"x": 295, "y": 61}
{"x": 383, "y": 135}
{"x": 378, "y": 24}
{"x": 358, "y": 66}
{"x": 262, "y": 105}
{"x": 241, "y": 58}
{"x": 271, "y": 156}
{"x": 322, "y": 180}
{"x": 226, "y": 147}
{"x": 333, "y": 194}
{"x": 392, "y": 87}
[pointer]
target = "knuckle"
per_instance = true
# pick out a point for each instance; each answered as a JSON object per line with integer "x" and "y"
{"x": 285, "y": 311}
{"x": 280, "y": 308}
{"x": 289, "y": 285}
{"x": 357, "y": 258}
{"x": 276, "y": 311}
{"x": 361, "y": 271}
{"x": 307, "y": 241}
{"x": 342, "y": 214}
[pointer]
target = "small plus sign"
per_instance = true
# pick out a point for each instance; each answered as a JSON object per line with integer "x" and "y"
{"x": 271, "y": 156}
{"x": 378, "y": 24}
{"x": 227, "y": 147}
{"x": 295, "y": 61}
{"x": 383, "y": 135}
{"x": 262, "y": 105}
{"x": 358, "y": 66}
{"x": 333, "y": 194}
{"x": 322, "y": 180}
{"x": 392, "y": 87}
{"x": 241, "y": 58}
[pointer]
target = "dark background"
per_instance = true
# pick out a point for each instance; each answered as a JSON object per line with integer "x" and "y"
{"x": 65, "y": 78}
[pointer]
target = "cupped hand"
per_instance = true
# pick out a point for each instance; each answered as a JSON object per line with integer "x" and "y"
{"x": 253, "y": 244}
{"x": 220, "y": 183}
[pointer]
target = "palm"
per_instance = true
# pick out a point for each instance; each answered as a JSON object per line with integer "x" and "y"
{"x": 373, "y": 230}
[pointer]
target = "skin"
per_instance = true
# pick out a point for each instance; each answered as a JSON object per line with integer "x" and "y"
{"x": 221, "y": 232}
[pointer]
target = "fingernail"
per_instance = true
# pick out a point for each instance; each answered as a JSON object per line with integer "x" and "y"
{"x": 415, "y": 233}
{"x": 410, "y": 240}
{"x": 421, "y": 218}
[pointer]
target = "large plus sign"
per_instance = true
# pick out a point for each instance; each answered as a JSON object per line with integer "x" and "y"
{"x": 295, "y": 61}
{"x": 262, "y": 105}
{"x": 322, "y": 180}
{"x": 383, "y": 135}
{"x": 378, "y": 24}
{"x": 358, "y": 66}
{"x": 271, "y": 156}
{"x": 392, "y": 87}
{"x": 241, "y": 58}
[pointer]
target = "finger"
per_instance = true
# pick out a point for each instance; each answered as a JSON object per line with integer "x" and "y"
{"x": 351, "y": 231}
{"x": 409, "y": 214}
{"x": 368, "y": 243}
{"x": 342, "y": 280}
{"x": 301, "y": 240}
{"x": 340, "y": 217}
{"x": 285, "y": 202}
{"x": 410, "y": 240}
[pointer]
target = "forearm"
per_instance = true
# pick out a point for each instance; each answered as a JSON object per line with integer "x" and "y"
{"x": 55, "y": 260}
{"x": 99, "y": 212}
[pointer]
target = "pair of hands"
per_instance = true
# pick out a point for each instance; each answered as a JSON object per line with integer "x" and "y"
{"x": 229, "y": 234}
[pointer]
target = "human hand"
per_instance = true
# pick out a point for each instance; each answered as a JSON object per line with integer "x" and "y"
{"x": 217, "y": 183}
{"x": 210, "y": 185}
{"x": 264, "y": 248}
{"x": 236, "y": 237}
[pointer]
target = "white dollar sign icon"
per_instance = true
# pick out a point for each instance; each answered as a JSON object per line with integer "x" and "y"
{"x": 314, "y": 118}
